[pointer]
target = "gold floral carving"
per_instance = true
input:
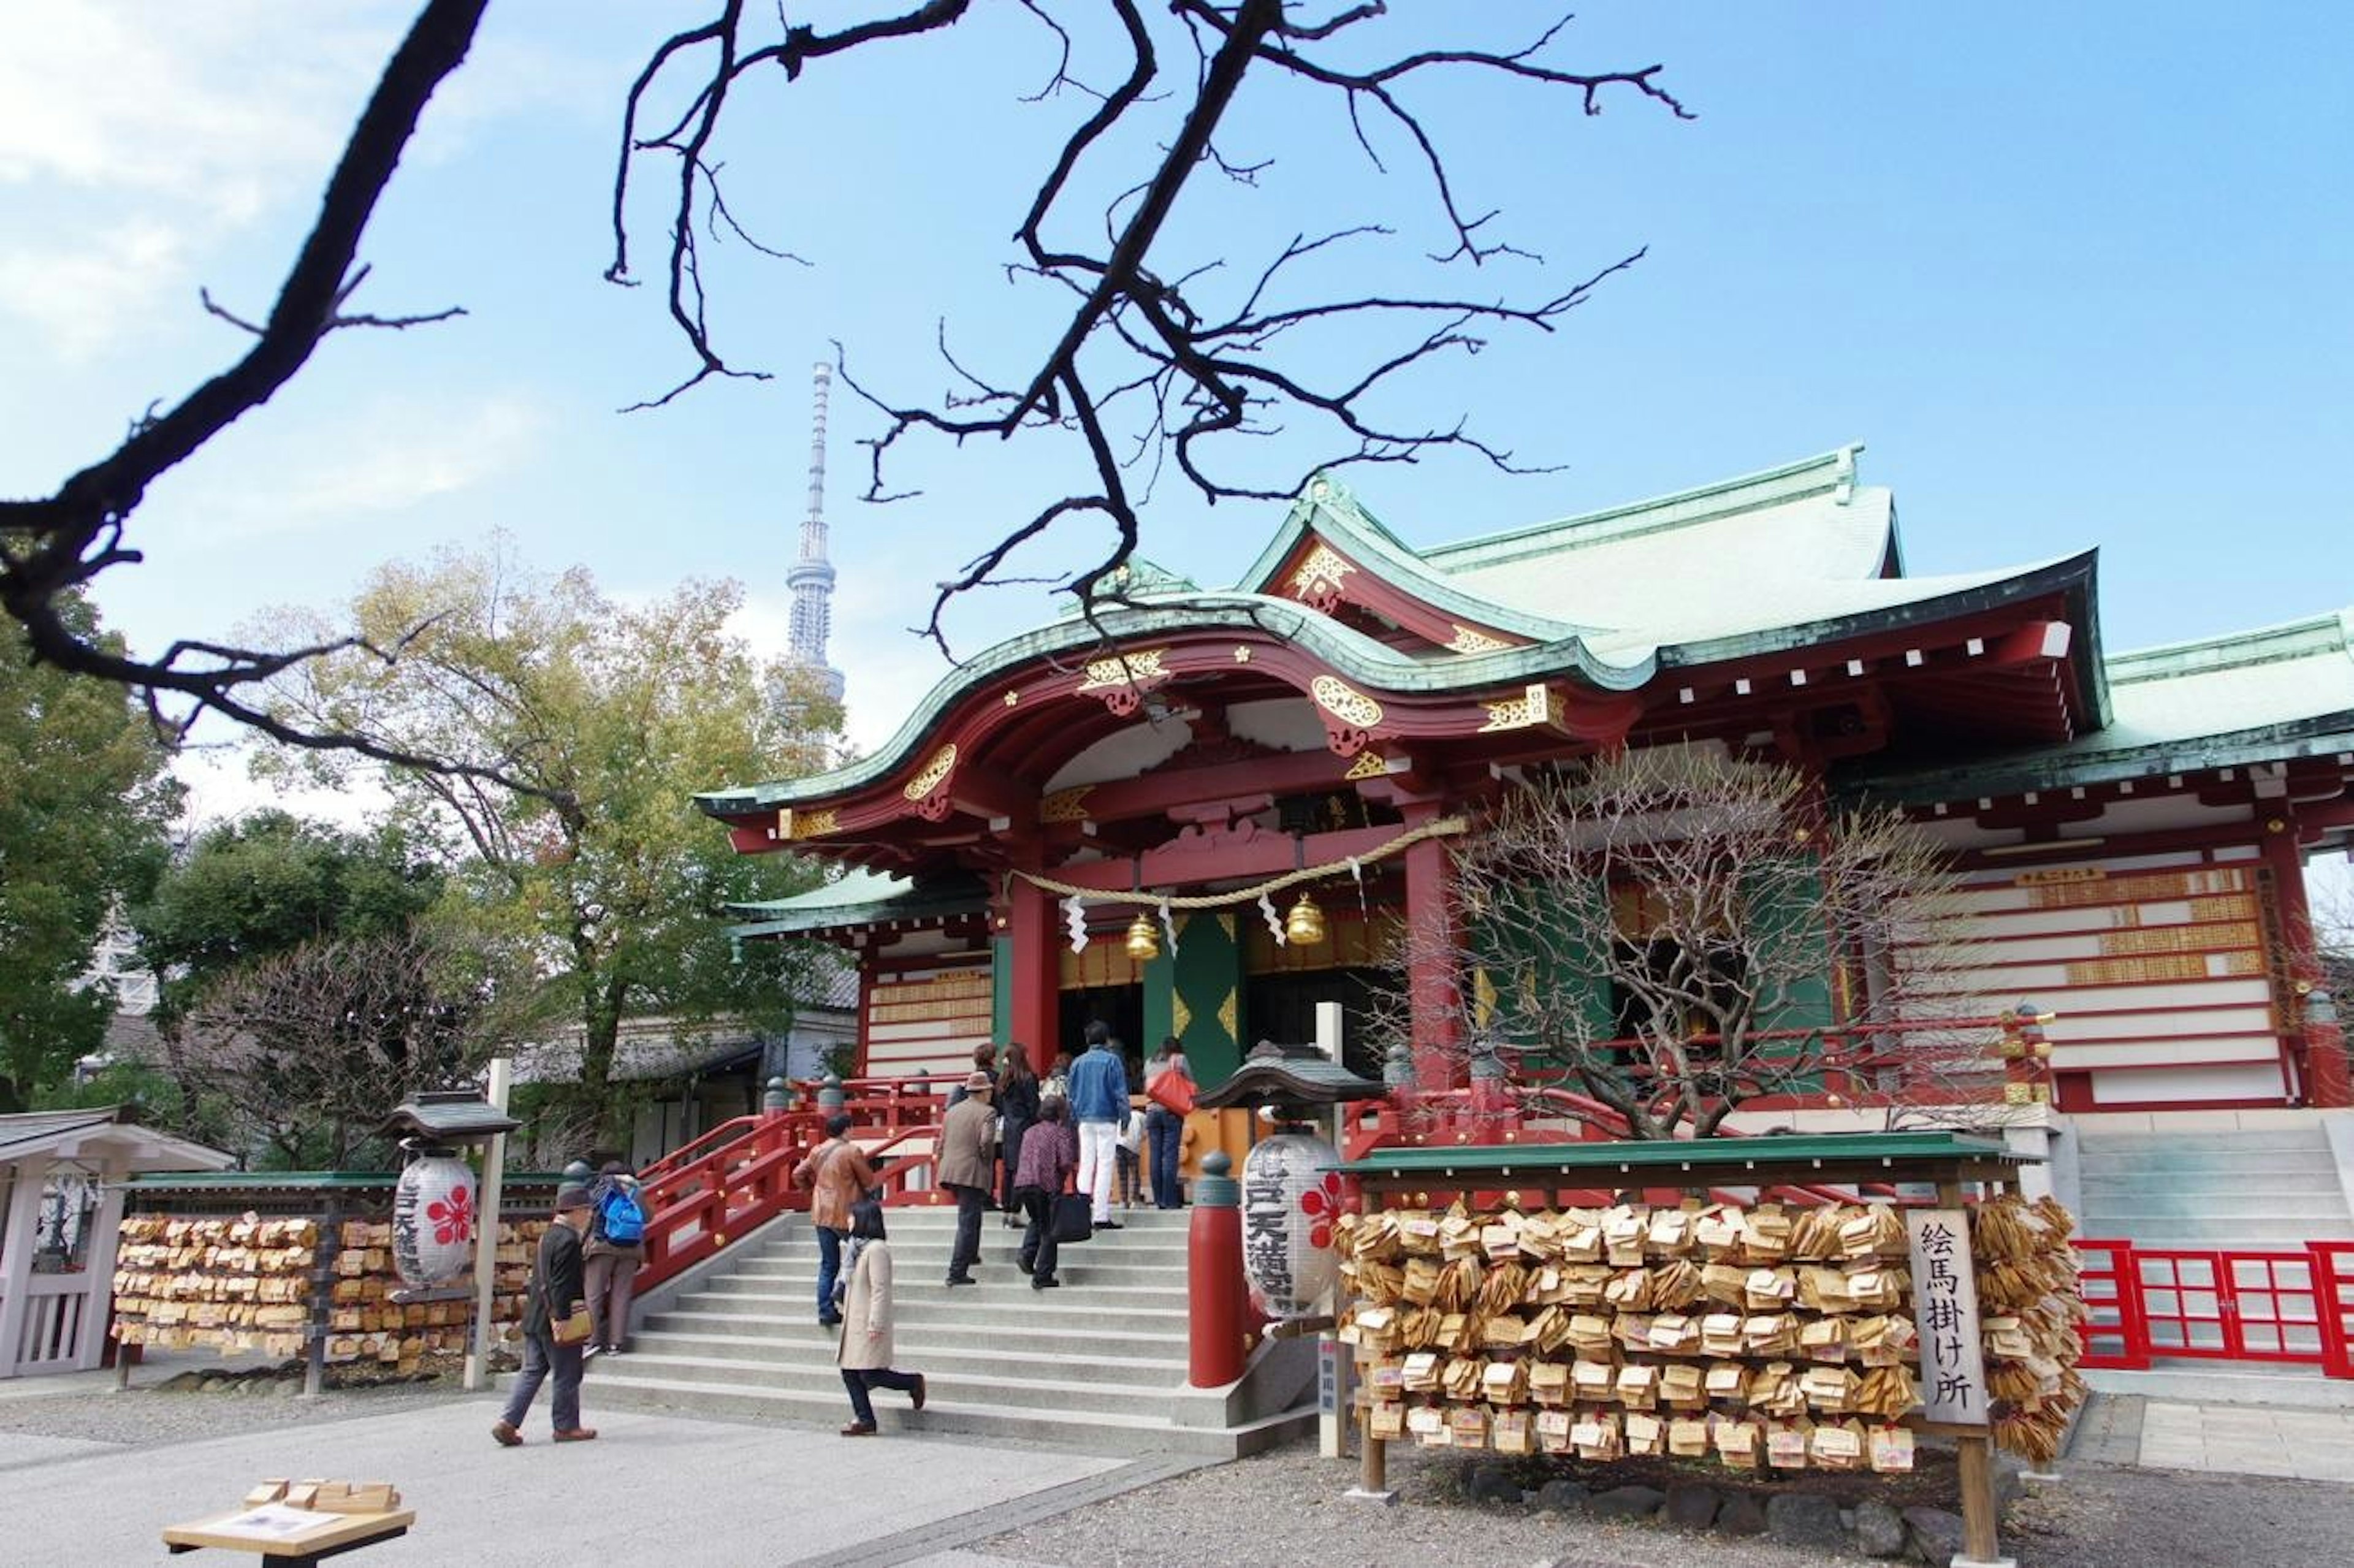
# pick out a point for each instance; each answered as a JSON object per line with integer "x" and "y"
{"x": 1066, "y": 805}
{"x": 1466, "y": 641}
{"x": 1320, "y": 577}
{"x": 1369, "y": 765}
{"x": 935, "y": 774}
{"x": 1227, "y": 924}
{"x": 1124, "y": 669}
{"x": 1181, "y": 1017}
{"x": 1230, "y": 1015}
{"x": 792, "y": 824}
{"x": 1344, "y": 702}
{"x": 1534, "y": 707}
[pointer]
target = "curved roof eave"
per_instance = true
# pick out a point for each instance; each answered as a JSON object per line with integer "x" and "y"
{"x": 1338, "y": 515}
{"x": 1379, "y": 666}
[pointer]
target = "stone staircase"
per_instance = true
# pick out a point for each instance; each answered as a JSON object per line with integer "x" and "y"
{"x": 1098, "y": 1363}
{"x": 2269, "y": 1185}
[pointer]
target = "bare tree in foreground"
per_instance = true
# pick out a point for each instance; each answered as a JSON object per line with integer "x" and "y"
{"x": 1665, "y": 931}
{"x": 304, "y": 1053}
{"x": 1160, "y": 358}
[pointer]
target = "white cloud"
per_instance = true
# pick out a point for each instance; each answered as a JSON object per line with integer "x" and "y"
{"x": 222, "y": 789}
{"x": 86, "y": 297}
{"x": 394, "y": 455}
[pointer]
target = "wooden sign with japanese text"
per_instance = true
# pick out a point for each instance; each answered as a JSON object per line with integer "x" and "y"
{"x": 1946, "y": 1309}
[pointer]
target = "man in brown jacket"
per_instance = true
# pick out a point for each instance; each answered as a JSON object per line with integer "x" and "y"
{"x": 967, "y": 1162}
{"x": 838, "y": 1175}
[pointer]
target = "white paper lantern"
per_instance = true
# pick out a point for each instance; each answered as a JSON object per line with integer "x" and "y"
{"x": 1289, "y": 1202}
{"x": 433, "y": 1220}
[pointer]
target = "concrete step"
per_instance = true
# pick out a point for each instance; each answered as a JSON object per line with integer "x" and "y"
{"x": 1110, "y": 1433}
{"x": 2243, "y": 1140}
{"x": 1022, "y": 1336}
{"x": 2258, "y": 1187}
{"x": 951, "y": 1382}
{"x": 1011, "y": 1306}
{"x": 2193, "y": 1382}
{"x": 1137, "y": 1359}
{"x": 924, "y": 1256}
{"x": 913, "y": 1278}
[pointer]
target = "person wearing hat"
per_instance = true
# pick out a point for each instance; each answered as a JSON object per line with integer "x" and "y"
{"x": 968, "y": 1159}
{"x": 556, "y": 1294}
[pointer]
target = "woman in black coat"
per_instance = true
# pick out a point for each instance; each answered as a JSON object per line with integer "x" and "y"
{"x": 1017, "y": 1104}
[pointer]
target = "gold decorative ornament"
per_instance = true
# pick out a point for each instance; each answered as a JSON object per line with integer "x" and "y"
{"x": 1143, "y": 939}
{"x": 1181, "y": 1017}
{"x": 1466, "y": 641}
{"x": 1124, "y": 669}
{"x": 1066, "y": 805}
{"x": 935, "y": 774}
{"x": 792, "y": 824}
{"x": 1369, "y": 765}
{"x": 1304, "y": 927}
{"x": 1230, "y": 1018}
{"x": 1013, "y": 698}
{"x": 1344, "y": 702}
{"x": 1534, "y": 707}
{"x": 1241, "y": 655}
{"x": 1322, "y": 575}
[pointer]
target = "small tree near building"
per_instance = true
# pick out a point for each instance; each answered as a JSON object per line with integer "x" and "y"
{"x": 1675, "y": 934}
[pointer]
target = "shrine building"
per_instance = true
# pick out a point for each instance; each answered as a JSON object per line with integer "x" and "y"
{"x": 2133, "y": 827}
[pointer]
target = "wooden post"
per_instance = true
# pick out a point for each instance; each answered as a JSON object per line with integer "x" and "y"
{"x": 22, "y": 1217}
{"x": 1373, "y": 1475}
{"x": 1981, "y": 1535}
{"x": 491, "y": 1195}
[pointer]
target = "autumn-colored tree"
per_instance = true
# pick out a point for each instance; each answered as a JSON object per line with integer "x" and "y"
{"x": 591, "y": 871}
{"x": 1664, "y": 931}
{"x": 85, "y": 807}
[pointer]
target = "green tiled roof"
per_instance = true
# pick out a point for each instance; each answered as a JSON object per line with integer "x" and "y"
{"x": 2265, "y": 695}
{"x": 858, "y": 898}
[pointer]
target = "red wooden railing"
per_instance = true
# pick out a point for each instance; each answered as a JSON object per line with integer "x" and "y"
{"x": 2152, "y": 1304}
{"x": 737, "y": 1176}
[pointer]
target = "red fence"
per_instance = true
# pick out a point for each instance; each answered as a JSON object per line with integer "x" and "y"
{"x": 2151, "y": 1303}
{"x": 738, "y": 1175}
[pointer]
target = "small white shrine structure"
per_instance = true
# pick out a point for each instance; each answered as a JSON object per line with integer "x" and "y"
{"x": 61, "y": 1176}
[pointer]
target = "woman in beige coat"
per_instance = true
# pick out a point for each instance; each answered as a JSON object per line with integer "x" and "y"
{"x": 864, "y": 1356}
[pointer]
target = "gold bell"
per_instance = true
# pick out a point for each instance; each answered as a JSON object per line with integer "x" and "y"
{"x": 1304, "y": 927}
{"x": 1143, "y": 938}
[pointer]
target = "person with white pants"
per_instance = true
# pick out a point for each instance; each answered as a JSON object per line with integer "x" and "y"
{"x": 1100, "y": 1103}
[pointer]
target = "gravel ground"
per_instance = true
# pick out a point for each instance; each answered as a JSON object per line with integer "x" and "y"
{"x": 142, "y": 1417}
{"x": 1286, "y": 1511}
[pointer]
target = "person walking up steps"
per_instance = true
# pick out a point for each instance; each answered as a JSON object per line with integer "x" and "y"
{"x": 1017, "y": 1109}
{"x": 1100, "y": 1103}
{"x": 1049, "y": 1154}
{"x": 1164, "y": 1124}
{"x": 837, "y": 1172}
{"x": 616, "y": 1246}
{"x": 968, "y": 1138}
{"x": 555, "y": 1299}
{"x": 865, "y": 1353}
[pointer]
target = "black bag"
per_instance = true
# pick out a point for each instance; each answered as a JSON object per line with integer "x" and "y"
{"x": 1072, "y": 1218}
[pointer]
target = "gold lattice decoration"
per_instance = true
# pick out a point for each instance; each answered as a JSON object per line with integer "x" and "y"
{"x": 935, "y": 774}
{"x": 792, "y": 824}
{"x": 1181, "y": 1017}
{"x": 1066, "y": 805}
{"x": 1344, "y": 702}
{"x": 1369, "y": 765}
{"x": 1469, "y": 640}
{"x": 1321, "y": 573}
{"x": 1124, "y": 669}
{"x": 1534, "y": 706}
{"x": 1230, "y": 1017}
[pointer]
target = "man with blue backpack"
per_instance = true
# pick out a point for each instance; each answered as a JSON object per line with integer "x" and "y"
{"x": 616, "y": 1244}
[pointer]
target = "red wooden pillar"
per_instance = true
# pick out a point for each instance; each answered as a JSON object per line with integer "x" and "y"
{"x": 1034, "y": 973}
{"x": 2326, "y": 1077}
{"x": 1217, "y": 1297}
{"x": 1433, "y": 926}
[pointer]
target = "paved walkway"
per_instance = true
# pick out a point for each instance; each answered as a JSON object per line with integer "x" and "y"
{"x": 2249, "y": 1440}
{"x": 656, "y": 1489}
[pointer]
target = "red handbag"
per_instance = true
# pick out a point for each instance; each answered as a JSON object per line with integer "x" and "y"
{"x": 1171, "y": 1090}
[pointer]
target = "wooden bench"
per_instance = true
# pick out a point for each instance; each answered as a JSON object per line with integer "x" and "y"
{"x": 296, "y": 1546}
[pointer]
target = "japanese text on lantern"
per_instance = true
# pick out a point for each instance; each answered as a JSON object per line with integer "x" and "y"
{"x": 1267, "y": 1226}
{"x": 1946, "y": 1309}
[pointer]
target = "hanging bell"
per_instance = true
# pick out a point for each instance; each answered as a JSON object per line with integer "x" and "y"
{"x": 1304, "y": 927}
{"x": 1143, "y": 938}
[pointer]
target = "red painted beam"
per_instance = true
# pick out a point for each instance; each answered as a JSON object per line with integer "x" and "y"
{"x": 1216, "y": 859}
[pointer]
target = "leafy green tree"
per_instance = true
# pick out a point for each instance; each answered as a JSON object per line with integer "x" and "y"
{"x": 267, "y": 884}
{"x": 595, "y": 872}
{"x": 85, "y": 810}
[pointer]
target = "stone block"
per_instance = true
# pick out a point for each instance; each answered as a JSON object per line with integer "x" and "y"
{"x": 1563, "y": 1497}
{"x": 1880, "y": 1530}
{"x": 1937, "y": 1534}
{"x": 1692, "y": 1506}
{"x": 1805, "y": 1518}
{"x": 1741, "y": 1515}
{"x": 1627, "y": 1502}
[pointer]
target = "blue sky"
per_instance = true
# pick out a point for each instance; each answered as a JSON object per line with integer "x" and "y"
{"x": 2075, "y": 274}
